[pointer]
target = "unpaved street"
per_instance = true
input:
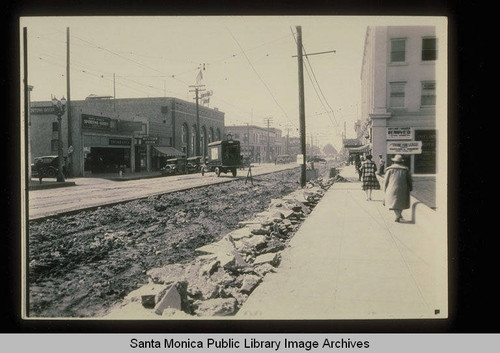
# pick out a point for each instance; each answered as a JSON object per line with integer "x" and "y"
{"x": 82, "y": 264}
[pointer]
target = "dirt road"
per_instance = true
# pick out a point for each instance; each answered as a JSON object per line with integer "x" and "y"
{"x": 82, "y": 264}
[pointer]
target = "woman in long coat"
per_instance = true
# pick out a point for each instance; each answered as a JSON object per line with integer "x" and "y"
{"x": 369, "y": 178}
{"x": 397, "y": 186}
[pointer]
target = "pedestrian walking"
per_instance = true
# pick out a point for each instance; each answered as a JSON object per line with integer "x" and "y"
{"x": 397, "y": 187}
{"x": 357, "y": 165}
{"x": 368, "y": 176}
{"x": 381, "y": 165}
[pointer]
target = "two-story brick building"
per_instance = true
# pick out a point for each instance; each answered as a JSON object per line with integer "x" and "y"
{"x": 255, "y": 144}
{"x": 135, "y": 134}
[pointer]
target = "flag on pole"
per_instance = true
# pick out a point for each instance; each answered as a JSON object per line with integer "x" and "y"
{"x": 199, "y": 77}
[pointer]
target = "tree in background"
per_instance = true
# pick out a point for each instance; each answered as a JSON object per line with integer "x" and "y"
{"x": 329, "y": 150}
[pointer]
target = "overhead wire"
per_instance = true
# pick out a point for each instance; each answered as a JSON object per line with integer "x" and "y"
{"x": 260, "y": 78}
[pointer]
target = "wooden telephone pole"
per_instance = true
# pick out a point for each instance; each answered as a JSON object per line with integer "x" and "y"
{"x": 302, "y": 114}
{"x": 197, "y": 89}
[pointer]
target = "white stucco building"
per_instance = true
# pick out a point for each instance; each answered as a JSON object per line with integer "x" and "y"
{"x": 398, "y": 98}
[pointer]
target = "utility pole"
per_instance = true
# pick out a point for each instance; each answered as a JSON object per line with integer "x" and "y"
{"x": 68, "y": 106}
{"x": 114, "y": 93}
{"x": 302, "y": 113}
{"x": 268, "y": 122}
{"x": 287, "y": 141}
{"x": 248, "y": 140}
{"x": 197, "y": 89}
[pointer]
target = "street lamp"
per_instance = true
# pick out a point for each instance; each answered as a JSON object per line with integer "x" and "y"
{"x": 60, "y": 107}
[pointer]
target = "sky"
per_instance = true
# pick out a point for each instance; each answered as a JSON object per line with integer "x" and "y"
{"x": 247, "y": 62}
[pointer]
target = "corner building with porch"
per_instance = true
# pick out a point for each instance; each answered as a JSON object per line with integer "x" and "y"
{"x": 107, "y": 135}
{"x": 398, "y": 98}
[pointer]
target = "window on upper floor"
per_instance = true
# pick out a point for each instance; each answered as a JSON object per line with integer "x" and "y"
{"x": 55, "y": 126}
{"x": 429, "y": 49}
{"x": 398, "y": 50}
{"x": 397, "y": 94}
{"x": 428, "y": 97}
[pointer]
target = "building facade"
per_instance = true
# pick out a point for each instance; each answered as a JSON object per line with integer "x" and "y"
{"x": 254, "y": 142}
{"x": 134, "y": 134}
{"x": 398, "y": 98}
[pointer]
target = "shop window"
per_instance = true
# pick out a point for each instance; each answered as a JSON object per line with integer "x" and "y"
{"x": 429, "y": 49}
{"x": 397, "y": 95}
{"x": 428, "y": 97}
{"x": 398, "y": 50}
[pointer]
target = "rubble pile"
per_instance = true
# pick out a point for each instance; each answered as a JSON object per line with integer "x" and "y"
{"x": 224, "y": 273}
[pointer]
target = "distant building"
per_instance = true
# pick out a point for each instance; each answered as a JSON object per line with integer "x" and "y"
{"x": 135, "y": 134}
{"x": 254, "y": 144}
{"x": 398, "y": 82}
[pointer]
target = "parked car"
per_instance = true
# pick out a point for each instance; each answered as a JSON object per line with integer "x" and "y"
{"x": 316, "y": 159}
{"x": 174, "y": 166}
{"x": 47, "y": 167}
{"x": 194, "y": 164}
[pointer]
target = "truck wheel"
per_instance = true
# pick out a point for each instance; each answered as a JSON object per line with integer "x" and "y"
{"x": 234, "y": 172}
{"x": 217, "y": 171}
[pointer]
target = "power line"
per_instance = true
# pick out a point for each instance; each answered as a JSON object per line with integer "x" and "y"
{"x": 260, "y": 78}
{"x": 317, "y": 83}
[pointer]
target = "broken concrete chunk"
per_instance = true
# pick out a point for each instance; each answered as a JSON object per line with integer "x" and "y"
{"x": 249, "y": 283}
{"x": 216, "y": 307}
{"x": 171, "y": 299}
{"x": 249, "y": 245}
{"x": 271, "y": 258}
{"x": 263, "y": 269}
{"x": 149, "y": 294}
{"x": 240, "y": 234}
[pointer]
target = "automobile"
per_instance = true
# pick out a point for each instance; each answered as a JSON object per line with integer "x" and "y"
{"x": 283, "y": 159}
{"x": 48, "y": 166}
{"x": 174, "y": 166}
{"x": 224, "y": 156}
{"x": 316, "y": 159}
{"x": 193, "y": 164}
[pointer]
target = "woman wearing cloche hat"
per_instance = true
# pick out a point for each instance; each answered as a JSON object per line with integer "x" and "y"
{"x": 397, "y": 187}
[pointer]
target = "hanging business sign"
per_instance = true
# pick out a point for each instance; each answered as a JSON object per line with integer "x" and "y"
{"x": 403, "y": 147}
{"x": 150, "y": 140}
{"x": 398, "y": 133}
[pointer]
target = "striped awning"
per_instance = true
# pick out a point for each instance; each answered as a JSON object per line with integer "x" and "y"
{"x": 169, "y": 151}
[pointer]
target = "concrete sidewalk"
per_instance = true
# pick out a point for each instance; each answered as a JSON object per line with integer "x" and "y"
{"x": 350, "y": 260}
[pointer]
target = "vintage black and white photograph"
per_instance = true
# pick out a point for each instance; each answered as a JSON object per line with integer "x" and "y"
{"x": 234, "y": 167}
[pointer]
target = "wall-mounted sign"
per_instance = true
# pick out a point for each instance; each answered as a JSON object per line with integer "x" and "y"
{"x": 399, "y": 133}
{"x": 96, "y": 123}
{"x": 51, "y": 110}
{"x": 129, "y": 126}
{"x": 150, "y": 140}
{"x": 300, "y": 159}
{"x": 403, "y": 147}
{"x": 119, "y": 142}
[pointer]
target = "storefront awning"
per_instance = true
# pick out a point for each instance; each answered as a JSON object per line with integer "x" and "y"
{"x": 169, "y": 151}
{"x": 361, "y": 149}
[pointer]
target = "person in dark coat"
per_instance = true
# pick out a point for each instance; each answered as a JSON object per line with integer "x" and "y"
{"x": 381, "y": 165}
{"x": 357, "y": 164}
{"x": 368, "y": 177}
{"x": 397, "y": 187}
